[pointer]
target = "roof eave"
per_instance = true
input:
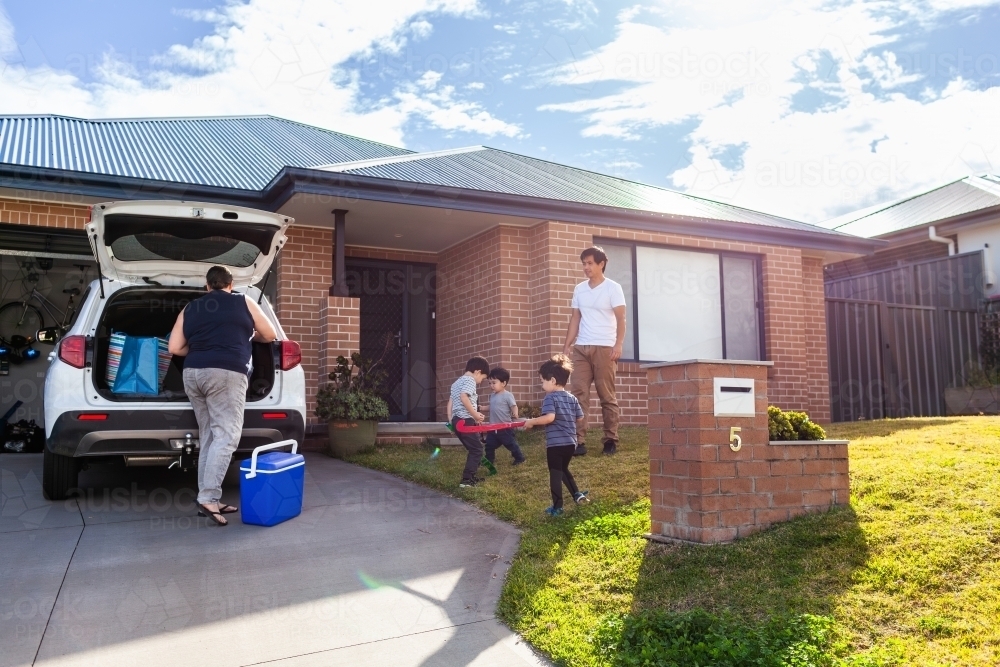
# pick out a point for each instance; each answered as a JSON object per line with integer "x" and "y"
{"x": 293, "y": 180}
{"x": 113, "y": 188}
{"x": 944, "y": 226}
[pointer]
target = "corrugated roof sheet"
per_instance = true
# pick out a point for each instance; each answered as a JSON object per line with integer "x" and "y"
{"x": 969, "y": 194}
{"x": 492, "y": 170}
{"x": 241, "y": 152}
{"x": 247, "y": 152}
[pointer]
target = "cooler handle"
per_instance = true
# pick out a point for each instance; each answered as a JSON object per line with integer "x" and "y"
{"x": 273, "y": 445}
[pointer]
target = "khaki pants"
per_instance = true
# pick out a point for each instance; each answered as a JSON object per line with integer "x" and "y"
{"x": 593, "y": 364}
{"x": 218, "y": 397}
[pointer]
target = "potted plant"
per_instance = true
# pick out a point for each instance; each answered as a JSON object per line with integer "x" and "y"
{"x": 352, "y": 405}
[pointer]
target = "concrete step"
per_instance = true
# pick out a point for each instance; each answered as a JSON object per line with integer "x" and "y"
{"x": 433, "y": 433}
{"x": 426, "y": 429}
{"x": 444, "y": 442}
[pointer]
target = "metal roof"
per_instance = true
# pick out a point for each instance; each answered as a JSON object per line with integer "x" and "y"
{"x": 251, "y": 153}
{"x": 491, "y": 170}
{"x": 241, "y": 152}
{"x": 972, "y": 193}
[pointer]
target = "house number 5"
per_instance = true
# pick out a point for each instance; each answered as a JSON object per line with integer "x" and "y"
{"x": 735, "y": 441}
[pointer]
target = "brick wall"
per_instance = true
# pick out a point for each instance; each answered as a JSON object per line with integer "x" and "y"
{"x": 340, "y": 332}
{"x": 24, "y": 212}
{"x": 817, "y": 362}
{"x": 304, "y": 274}
{"x": 703, "y": 491}
{"x": 468, "y": 308}
{"x": 794, "y": 312}
{"x": 546, "y": 268}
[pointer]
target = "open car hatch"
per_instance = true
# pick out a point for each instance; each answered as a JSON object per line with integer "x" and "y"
{"x": 175, "y": 242}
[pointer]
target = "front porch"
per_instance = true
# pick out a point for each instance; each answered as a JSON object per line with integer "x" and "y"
{"x": 500, "y": 286}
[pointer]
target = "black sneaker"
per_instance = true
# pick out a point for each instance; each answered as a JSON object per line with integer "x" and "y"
{"x": 517, "y": 462}
{"x": 610, "y": 447}
{"x": 466, "y": 483}
{"x": 581, "y": 450}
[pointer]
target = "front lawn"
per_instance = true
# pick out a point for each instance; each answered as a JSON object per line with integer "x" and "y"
{"x": 908, "y": 574}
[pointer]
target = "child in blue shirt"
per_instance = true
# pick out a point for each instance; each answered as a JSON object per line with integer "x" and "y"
{"x": 560, "y": 412}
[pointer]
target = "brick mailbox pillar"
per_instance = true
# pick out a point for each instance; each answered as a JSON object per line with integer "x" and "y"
{"x": 707, "y": 487}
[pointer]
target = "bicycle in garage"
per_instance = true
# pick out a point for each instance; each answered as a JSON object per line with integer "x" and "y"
{"x": 20, "y": 320}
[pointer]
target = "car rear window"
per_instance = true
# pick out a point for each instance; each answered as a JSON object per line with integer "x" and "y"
{"x": 137, "y": 238}
{"x": 160, "y": 246}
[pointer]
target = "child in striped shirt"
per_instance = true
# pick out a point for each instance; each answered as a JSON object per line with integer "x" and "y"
{"x": 560, "y": 412}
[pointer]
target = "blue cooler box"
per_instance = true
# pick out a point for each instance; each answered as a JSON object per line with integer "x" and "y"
{"x": 271, "y": 485}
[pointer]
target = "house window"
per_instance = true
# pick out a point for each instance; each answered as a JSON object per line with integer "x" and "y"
{"x": 683, "y": 304}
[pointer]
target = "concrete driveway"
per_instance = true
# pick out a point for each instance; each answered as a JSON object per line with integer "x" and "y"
{"x": 375, "y": 571}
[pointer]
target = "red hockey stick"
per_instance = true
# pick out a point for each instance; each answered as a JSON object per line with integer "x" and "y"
{"x": 484, "y": 428}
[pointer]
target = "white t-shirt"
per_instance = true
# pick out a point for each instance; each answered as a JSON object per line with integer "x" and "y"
{"x": 598, "y": 324}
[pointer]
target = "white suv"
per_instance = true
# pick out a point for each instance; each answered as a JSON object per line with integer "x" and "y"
{"x": 153, "y": 256}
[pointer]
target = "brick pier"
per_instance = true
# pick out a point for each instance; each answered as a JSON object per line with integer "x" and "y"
{"x": 703, "y": 491}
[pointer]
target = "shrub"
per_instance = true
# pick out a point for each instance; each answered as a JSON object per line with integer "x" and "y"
{"x": 353, "y": 392}
{"x": 658, "y": 638}
{"x": 790, "y": 425}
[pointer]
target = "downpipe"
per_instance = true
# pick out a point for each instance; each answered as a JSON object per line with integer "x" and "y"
{"x": 932, "y": 235}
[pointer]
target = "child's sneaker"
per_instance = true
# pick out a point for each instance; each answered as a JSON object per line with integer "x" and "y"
{"x": 581, "y": 497}
{"x": 466, "y": 483}
{"x": 554, "y": 511}
{"x": 518, "y": 462}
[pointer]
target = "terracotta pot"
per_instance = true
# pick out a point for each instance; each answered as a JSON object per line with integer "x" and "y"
{"x": 350, "y": 436}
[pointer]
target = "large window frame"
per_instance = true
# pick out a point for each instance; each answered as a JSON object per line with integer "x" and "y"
{"x": 758, "y": 291}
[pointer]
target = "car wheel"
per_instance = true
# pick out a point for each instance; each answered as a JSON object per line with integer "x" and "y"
{"x": 59, "y": 475}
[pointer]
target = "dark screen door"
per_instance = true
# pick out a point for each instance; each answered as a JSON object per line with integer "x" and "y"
{"x": 397, "y": 303}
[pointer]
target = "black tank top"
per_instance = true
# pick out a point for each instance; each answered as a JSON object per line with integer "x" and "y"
{"x": 218, "y": 328}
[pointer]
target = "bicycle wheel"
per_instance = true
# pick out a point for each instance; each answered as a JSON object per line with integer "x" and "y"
{"x": 19, "y": 319}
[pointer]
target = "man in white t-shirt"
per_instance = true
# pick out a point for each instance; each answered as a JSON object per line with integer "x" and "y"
{"x": 594, "y": 343}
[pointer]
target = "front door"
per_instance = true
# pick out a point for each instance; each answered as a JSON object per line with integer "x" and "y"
{"x": 397, "y": 326}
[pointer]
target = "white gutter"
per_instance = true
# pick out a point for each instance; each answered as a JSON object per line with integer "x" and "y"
{"x": 941, "y": 239}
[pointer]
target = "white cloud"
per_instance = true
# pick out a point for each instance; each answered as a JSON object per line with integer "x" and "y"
{"x": 265, "y": 56}
{"x": 807, "y": 90}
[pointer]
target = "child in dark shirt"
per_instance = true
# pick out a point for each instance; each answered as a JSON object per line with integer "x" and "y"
{"x": 560, "y": 412}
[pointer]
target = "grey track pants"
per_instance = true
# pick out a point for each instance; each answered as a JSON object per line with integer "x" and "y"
{"x": 218, "y": 397}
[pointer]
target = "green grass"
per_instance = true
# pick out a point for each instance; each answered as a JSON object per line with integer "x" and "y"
{"x": 909, "y": 573}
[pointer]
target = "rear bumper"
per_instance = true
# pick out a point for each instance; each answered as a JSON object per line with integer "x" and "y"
{"x": 150, "y": 431}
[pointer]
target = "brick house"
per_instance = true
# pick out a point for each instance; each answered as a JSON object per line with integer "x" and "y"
{"x": 424, "y": 259}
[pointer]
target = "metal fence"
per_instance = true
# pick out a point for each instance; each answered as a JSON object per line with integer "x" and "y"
{"x": 898, "y": 338}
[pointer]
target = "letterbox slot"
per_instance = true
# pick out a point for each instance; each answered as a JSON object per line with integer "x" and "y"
{"x": 734, "y": 397}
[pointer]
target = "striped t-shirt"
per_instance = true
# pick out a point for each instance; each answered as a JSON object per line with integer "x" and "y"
{"x": 567, "y": 411}
{"x": 463, "y": 385}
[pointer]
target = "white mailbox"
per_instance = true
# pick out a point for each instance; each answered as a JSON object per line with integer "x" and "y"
{"x": 734, "y": 397}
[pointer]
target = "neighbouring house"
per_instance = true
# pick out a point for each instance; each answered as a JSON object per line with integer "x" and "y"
{"x": 424, "y": 259}
{"x": 906, "y": 324}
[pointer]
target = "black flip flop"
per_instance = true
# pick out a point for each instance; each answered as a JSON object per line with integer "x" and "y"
{"x": 228, "y": 509}
{"x": 214, "y": 516}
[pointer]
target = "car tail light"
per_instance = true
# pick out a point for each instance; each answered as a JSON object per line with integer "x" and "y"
{"x": 73, "y": 351}
{"x": 275, "y": 415}
{"x": 93, "y": 416}
{"x": 291, "y": 355}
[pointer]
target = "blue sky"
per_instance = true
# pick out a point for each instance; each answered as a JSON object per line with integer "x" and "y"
{"x": 807, "y": 109}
